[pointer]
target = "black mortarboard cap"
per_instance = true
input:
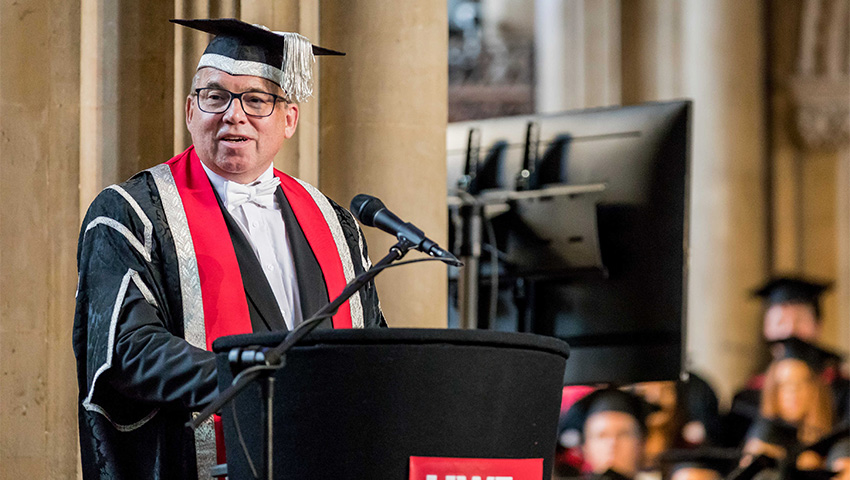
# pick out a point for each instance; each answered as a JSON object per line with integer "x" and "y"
{"x": 792, "y": 290}
{"x": 775, "y": 432}
{"x": 816, "y": 358}
{"x": 721, "y": 460}
{"x": 605, "y": 400}
{"x": 240, "y": 48}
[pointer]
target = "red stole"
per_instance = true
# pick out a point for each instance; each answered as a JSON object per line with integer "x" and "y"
{"x": 225, "y": 305}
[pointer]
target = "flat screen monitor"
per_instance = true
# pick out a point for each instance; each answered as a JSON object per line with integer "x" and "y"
{"x": 625, "y": 322}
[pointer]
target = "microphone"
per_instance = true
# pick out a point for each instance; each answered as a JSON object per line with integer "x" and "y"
{"x": 373, "y": 213}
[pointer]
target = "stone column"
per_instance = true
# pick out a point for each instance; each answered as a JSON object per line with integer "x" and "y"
{"x": 651, "y": 50}
{"x": 382, "y": 132}
{"x": 127, "y": 70}
{"x": 842, "y": 284}
{"x": 189, "y": 45}
{"x": 722, "y": 60}
{"x": 577, "y": 54}
{"x": 39, "y": 223}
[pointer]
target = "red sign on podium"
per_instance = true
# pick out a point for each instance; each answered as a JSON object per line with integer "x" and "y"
{"x": 445, "y": 468}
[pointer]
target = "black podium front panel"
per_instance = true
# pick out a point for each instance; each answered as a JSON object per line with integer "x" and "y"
{"x": 358, "y": 403}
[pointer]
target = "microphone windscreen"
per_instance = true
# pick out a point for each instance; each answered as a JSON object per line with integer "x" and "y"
{"x": 364, "y": 207}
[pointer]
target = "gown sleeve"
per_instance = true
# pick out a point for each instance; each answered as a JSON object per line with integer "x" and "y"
{"x": 131, "y": 357}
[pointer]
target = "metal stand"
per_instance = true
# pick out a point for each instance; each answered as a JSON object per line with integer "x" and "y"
{"x": 470, "y": 252}
{"x": 268, "y": 419}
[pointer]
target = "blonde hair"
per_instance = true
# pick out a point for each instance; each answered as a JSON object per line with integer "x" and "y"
{"x": 817, "y": 421}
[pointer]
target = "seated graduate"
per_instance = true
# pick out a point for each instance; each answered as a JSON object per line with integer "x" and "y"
{"x": 612, "y": 425}
{"x": 794, "y": 390}
{"x": 792, "y": 309}
{"x": 689, "y": 415}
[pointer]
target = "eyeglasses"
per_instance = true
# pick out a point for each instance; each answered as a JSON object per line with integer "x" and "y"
{"x": 254, "y": 104}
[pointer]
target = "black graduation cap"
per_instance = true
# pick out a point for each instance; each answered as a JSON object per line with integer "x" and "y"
{"x": 241, "y": 48}
{"x": 816, "y": 358}
{"x": 793, "y": 290}
{"x": 721, "y": 460}
{"x": 775, "y": 432}
{"x": 605, "y": 400}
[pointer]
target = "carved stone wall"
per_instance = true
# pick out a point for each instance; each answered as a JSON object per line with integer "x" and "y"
{"x": 820, "y": 85}
{"x": 809, "y": 150}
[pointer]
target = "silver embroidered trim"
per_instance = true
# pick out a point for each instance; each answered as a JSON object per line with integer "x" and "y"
{"x": 355, "y": 302}
{"x": 190, "y": 280}
{"x": 144, "y": 250}
{"x": 190, "y": 290}
{"x": 240, "y": 67}
{"x": 110, "y": 348}
{"x": 93, "y": 407}
{"x": 115, "y": 224}
{"x": 140, "y": 213}
{"x": 205, "y": 448}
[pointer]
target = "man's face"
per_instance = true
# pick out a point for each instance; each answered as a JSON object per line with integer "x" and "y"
{"x": 232, "y": 144}
{"x": 784, "y": 320}
{"x": 613, "y": 440}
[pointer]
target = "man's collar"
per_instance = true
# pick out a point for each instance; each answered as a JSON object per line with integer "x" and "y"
{"x": 219, "y": 183}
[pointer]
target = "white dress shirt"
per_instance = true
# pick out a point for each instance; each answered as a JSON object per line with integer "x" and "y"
{"x": 265, "y": 231}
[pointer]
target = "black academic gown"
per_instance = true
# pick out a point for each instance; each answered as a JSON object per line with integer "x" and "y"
{"x": 139, "y": 377}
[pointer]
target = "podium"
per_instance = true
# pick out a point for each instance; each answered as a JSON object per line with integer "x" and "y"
{"x": 357, "y": 404}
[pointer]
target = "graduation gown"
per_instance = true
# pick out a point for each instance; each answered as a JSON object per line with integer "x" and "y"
{"x": 164, "y": 271}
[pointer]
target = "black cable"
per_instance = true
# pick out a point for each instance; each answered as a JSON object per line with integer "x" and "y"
{"x": 242, "y": 441}
{"x": 236, "y": 416}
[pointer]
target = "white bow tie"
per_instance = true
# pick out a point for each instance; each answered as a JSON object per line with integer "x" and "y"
{"x": 260, "y": 193}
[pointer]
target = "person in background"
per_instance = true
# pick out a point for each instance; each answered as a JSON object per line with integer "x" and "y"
{"x": 794, "y": 390}
{"x": 688, "y": 417}
{"x": 612, "y": 428}
{"x": 792, "y": 309}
